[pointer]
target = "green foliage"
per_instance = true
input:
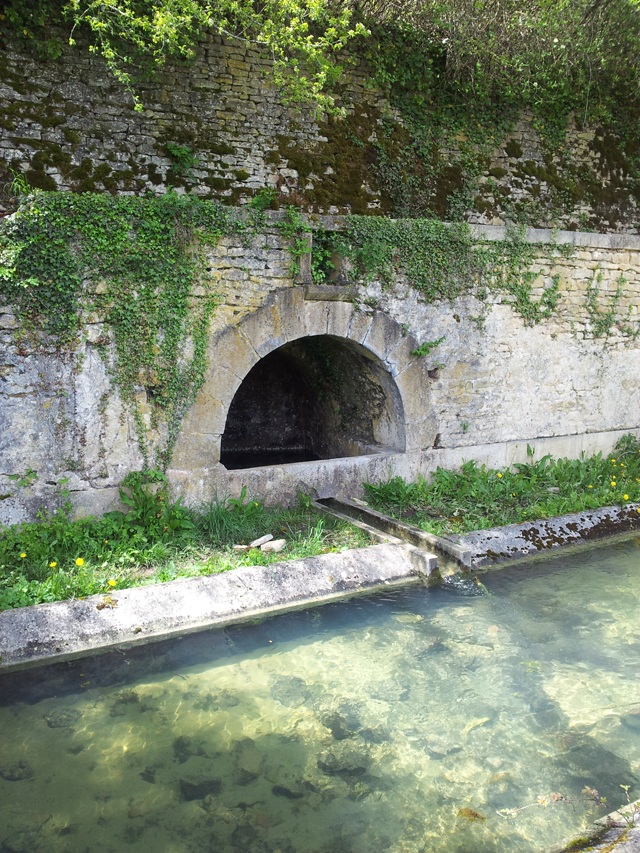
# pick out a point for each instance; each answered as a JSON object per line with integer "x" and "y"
{"x": 143, "y": 257}
{"x": 154, "y": 540}
{"x": 302, "y": 37}
{"x": 551, "y": 57}
{"x": 460, "y": 73}
{"x": 24, "y": 480}
{"x": 183, "y": 159}
{"x": 322, "y": 256}
{"x": 151, "y": 512}
{"x": 602, "y": 317}
{"x": 427, "y": 346}
{"x": 438, "y": 259}
{"x": 266, "y": 198}
{"x": 477, "y": 497}
{"x": 443, "y": 261}
{"x": 295, "y": 228}
{"x": 233, "y": 520}
{"x": 29, "y": 21}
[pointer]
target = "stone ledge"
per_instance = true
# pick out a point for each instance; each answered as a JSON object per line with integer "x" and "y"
{"x": 589, "y": 239}
{"x": 64, "y": 630}
{"x": 515, "y": 541}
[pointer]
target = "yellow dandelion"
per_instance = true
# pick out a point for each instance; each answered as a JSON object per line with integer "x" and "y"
{"x": 625, "y": 497}
{"x": 52, "y": 564}
{"x": 111, "y": 582}
{"x": 614, "y": 461}
{"x": 79, "y": 561}
{"x": 589, "y": 487}
{"x": 613, "y": 484}
{"x": 499, "y": 475}
{"x": 22, "y": 555}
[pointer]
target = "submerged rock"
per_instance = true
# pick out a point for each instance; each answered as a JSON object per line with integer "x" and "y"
{"x": 290, "y": 690}
{"x": 197, "y": 788}
{"x": 149, "y": 775}
{"x": 345, "y": 759}
{"x": 23, "y": 841}
{"x": 631, "y": 720}
{"x": 124, "y": 699}
{"x": 249, "y": 761}
{"x": 17, "y": 772}
{"x": 221, "y": 701}
{"x": 185, "y": 747}
{"x": 343, "y": 723}
{"x": 244, "y": 836}
{"x": 282, "y": 791}
{"x": 63, "y": 718}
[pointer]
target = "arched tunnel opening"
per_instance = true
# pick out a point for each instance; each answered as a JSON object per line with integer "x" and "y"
{"x": 319, "y": 397}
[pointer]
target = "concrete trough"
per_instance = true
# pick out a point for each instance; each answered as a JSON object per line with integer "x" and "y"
{"x": 47, "y": 633}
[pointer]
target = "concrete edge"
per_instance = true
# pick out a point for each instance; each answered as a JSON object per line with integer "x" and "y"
{"x": 529, "y": 539}
{"x": 362, "y": 515}
{"x": 497, "y": 545}
{"x": 619, "y": 830}
{"x": 47, "y": 633}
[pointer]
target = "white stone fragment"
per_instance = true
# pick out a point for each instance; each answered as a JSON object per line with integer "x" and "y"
{"x": 261, "y": 541}
{"x": 273, "y": 546}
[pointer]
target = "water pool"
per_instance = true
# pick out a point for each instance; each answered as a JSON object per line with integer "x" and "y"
{"x": 467, "y": 718}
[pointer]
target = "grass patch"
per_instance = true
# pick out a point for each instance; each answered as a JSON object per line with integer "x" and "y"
{"x": 477, "y": 497}
{"x": 155, "y": 540}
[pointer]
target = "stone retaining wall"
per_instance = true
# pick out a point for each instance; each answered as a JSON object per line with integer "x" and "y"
{"x": 493, "y": 387}
{"x": 218, "y": 128}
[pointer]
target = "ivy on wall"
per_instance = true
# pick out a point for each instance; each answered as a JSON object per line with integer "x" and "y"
{"x": 132, "y": 263}
{"x": 134, "y": 269}
{"x": 442, "y": 261}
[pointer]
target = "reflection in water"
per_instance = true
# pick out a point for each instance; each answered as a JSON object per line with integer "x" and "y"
{"x": 464, "y": 718}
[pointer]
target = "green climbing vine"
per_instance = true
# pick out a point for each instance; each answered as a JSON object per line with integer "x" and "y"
{"x": 603, "y": 309}
{"x": 133, "y": 265}
{"x": 443, "y": 261}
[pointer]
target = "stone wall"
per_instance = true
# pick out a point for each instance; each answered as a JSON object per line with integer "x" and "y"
{"x": 218, "y": 128}
{"x": 565, "y": 385}
{"x": 69, "y": 125}
{"x": 493, "y": 386}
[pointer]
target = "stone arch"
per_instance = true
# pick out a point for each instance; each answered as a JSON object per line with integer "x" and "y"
{"x": 285, "y": 322}
{"x": 317, "y": 397}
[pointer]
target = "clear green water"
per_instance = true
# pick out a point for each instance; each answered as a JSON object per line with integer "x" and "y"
{"x": 361, "y": 727}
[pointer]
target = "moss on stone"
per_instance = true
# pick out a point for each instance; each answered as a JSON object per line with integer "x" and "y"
{"x": 71, "y": 136}
{"x": 218, "y": 183}
{"x": 39, "y": 180}
{"x": 513, "y": 149}
{"x": 449, "y": 180}
{"x": 340, "y": 169}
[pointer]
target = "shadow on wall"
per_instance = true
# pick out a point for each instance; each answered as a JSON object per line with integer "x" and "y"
{"x": 318, "y": 397}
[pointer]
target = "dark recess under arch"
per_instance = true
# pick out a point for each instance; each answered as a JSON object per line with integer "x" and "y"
{"x": 319, "y": 397}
